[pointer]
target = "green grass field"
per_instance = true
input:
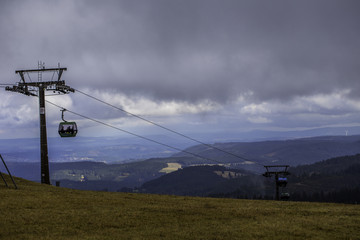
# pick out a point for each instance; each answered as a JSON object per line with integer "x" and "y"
{"x": 36, "y": 211}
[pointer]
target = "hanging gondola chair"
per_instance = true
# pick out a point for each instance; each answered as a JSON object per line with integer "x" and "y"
{"x": 282, "y": 181}
{"x": 285, "y": 196}
{"x": 67, "y": 129}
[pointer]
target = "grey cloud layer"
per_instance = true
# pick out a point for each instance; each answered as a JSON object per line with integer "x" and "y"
{"x": 190, "y": 50}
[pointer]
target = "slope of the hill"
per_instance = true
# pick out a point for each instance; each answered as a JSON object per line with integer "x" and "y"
{"x": 36, "y": 211}
{"x": 335, "y": 180}
{"x": 88, "y": 175}
{"x": 206, "y": 181}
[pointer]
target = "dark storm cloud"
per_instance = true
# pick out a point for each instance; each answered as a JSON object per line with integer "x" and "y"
{"x": 191, "y": 50}
{"x": 209, "y": 49}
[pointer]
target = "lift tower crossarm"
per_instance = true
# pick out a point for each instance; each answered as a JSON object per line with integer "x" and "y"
{"x": 269, "y": 173}
{"x": 41, "y": 70}
{"x": 59, "y": 70}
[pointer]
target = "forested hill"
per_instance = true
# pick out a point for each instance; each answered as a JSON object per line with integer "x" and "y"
{"x": 292, "y": 152}
{"x": 333, "y": 180}
{"x": 103, "y": 176}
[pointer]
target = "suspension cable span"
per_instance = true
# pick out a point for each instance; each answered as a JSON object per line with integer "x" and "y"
{"x": 168, "y": 129}
{"x": 134, "y": 134}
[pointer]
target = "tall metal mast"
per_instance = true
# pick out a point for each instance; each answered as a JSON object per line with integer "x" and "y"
{"x": 277, "y": 171}
{"x": 38, "y": 89}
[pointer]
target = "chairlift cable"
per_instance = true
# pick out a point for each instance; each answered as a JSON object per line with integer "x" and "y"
{"x": 166, "y": 128}
{"x": 134, "y": 134}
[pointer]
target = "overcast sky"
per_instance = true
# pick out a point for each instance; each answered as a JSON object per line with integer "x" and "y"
{"x": 191, "y": 65}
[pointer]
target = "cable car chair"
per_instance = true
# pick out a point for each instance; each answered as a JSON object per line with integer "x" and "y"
{"x": 284, "y": 196}
{"x": 67, "y": 129}
{"x": 282, "y": 181}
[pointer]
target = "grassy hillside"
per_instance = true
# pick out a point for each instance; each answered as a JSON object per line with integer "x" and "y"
{"x": 36, "y": 211}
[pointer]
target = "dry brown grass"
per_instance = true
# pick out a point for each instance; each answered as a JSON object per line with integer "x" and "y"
{"x": 36, "y": 211}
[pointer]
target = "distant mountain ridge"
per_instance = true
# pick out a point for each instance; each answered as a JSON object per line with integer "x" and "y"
{"x": 128, "y": 148}
{"x": 92, "y": 175}
{"x": 291, "y": 152}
